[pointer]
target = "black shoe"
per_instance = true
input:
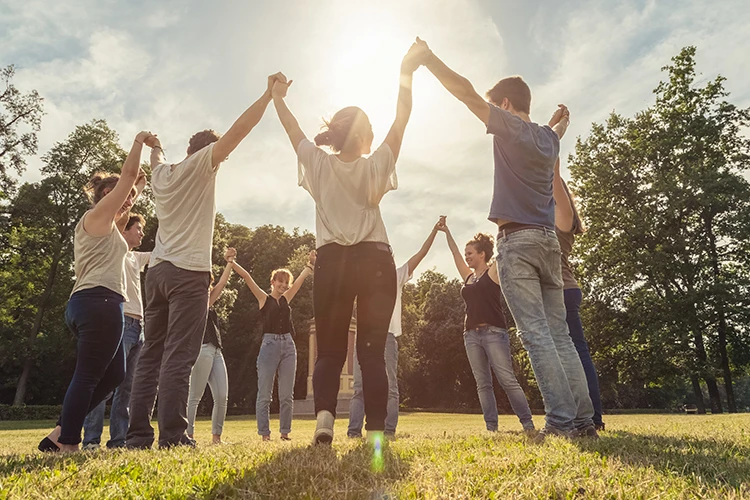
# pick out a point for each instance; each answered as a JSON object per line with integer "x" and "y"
{"x": 599, "y": 427}
{"x": 46, "y": 445}
{"x": 286, "y": 438}
{"x": 588, "y": 432}
{"x": 184, "y": 441}
{"x": 551, "y": 431}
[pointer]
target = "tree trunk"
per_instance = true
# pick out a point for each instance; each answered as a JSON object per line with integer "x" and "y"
{"x": 713, "y": 388}
{"x": 20, "y": 396}
{"x": 700, "y": 403}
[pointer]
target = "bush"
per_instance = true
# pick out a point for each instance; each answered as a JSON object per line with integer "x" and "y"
{"x": 31, "y": 412}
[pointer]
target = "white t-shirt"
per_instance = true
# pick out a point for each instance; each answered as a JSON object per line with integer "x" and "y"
{"x": 184, "y": 195}
{"x": 402, "y": 276}
{"x": 347, "y": 195}
{"x": 134, "y": 264}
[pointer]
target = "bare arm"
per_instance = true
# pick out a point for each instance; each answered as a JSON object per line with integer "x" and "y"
{"x": 463, "y": 269}
{"x": 460, "y": 87}
{"x": 415, "y": 259}
{"x": 259, "y": 294}
{"x": 307, "y": 271}
{"x": 157, "y": 153}
{"x": 287, "y": 119}
{"x": 563, "y": 205}
{"x": 100, "y": 221}
{"x": 242, "y": 126}
{"x": 560, "y": 120}
{"x": 494, "y": 276}
{"x": 216, "y": 290}
{"x": 409, "y": 65}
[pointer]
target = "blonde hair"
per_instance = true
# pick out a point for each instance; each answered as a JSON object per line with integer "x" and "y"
{"x": 278, "y": 273}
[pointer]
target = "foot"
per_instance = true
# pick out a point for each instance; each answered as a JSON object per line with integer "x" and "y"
{"x": 91, "y": 447}
{"x": 552, "y": 431}
{"x": 599, "y": 426}
{"x": 266, "y": 438}
{"x": 51, "y": 443}
{"x": 588, "y": 432}
{"x": 324, "y": 428}
{"x": 215, "y": 439}
{"x": 354, "y": 435}
{"x": 285, "y": 437}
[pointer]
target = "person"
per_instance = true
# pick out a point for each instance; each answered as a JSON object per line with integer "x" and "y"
{"x": 568, "y": 224}
{"x": 210, "y": 367}
{"x": 354, "y": 257}
{"x": 485, "y": 330}
{"x": 178, "y": 279}
{"x": 132, "y": 340}
{"x": 94, "y": 313}
{"x": 356, "y": 404}
{"x": 278, "y": 353}
{"x": 527, "y": 247}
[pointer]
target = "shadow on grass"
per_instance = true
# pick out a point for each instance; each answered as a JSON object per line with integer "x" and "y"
{"x": 713, "y": 462}
{"x": 317, "y": 472}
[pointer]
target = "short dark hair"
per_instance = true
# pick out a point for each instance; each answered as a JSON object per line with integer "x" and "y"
{"x": 515, "y": 90}
{"x": 133, "y": 219}
{"x": 202, "y": 139}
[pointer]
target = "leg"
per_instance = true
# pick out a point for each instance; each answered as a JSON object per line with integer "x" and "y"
{"x": 146, "y": 377}
{"x": 93, "y": 425}
{"x": 480, "y": 367}
{"x": 119, "y": 414}
{"x": 268, "y": 362}
{"x": 219, "y": 384}
{"x": 333, "y": 298}
{"x": 391, "y": 370}
{"x": 497, "y": 346}
{"x": 575, "y": 327}
{"x": 520, "y": 258}
{"x": 287, "y": 371}
{"x": 376, "y": 297}
{"x": 199, "y": 377}
{"x": 356, "y": 404}
{"x": 188, "y": 310}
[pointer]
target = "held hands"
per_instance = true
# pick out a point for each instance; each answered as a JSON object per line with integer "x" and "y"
{"x": 417, "y": 55}
{"x": 560, "y": 114}
{"x": 441, "y": 224}
{"x": 278, "y": 85}
{"x": 230, "y": 254}
{"x": 145, "y": 137}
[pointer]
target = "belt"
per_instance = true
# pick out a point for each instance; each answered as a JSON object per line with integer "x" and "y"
{"x": 514, "y": 227}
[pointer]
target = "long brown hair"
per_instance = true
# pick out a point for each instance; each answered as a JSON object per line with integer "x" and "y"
{"x": 578, "y": 226}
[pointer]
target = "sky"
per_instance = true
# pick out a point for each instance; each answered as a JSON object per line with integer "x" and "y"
{"x": 176, "y": 67}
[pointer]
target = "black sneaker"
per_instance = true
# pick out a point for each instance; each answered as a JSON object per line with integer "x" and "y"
{"x": 599, "y": 427}
{"x": 588, "y": 432}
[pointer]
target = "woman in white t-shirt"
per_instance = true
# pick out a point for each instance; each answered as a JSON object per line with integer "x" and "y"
{"x": 94, "y": 313}
{"x": 354, "y": 258}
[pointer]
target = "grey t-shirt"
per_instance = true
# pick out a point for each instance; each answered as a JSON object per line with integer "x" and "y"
{"x": 525, "y": 155}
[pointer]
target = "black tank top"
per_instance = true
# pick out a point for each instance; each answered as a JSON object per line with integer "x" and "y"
{"x": 483, "y": 303}
{"x": 277, "y": 316}
{"x": 212, "y": 333}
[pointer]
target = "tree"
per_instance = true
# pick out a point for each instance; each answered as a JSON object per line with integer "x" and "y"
{"x": 20, "y": 120}
{"x": 668, "y": 211}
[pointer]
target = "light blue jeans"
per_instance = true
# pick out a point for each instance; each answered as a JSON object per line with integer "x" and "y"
{"x": 278, "y": 354}
{"x": 210, "y": 369}
{"x": 488, "y": 348}
{"x": 530, "y": 277}
{"x": 357, "y": 403}
{"x": 93, "y": 425}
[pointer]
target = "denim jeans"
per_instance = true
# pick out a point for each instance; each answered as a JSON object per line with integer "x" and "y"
{"x": 95, "y": 317}
{"x": 278, "y": 354}
{"x": 209, "y": 369}
{"x": 132, "y": 340}
{"x": 488, "y": 348}
{"x": 357, "y": 403}
{"x": 364, "y": 272}
{"x": 530, "y": 277}
{"x": 573, "y": 297}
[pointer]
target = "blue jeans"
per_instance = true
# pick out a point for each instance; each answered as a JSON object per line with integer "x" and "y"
{"x": 95, "y": 317}
{"x": 357, "y": 403}
{"x": 530, "y": 277}
{"x": 488, "y": 347}
{"x": 278, "y": 354}
{"x": 210, "y": 369}
{"x": 132, "y": 340}
{"x": 573, "y": 297}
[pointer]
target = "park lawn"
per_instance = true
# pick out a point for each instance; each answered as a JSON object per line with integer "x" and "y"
{"x": 436, "y": 456}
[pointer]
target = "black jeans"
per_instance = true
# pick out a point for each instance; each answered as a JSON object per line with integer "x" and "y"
{"x": 364, "y": 272}
{"x": 95, "y": 317}
{"x": 176, "y": 311}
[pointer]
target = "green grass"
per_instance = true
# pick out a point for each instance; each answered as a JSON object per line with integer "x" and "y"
{"x": 436, "y": 456}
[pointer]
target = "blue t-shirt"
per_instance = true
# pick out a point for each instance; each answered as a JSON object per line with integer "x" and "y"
{"x": 525, "y": 155}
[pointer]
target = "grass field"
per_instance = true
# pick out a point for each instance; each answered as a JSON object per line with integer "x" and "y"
{"x": 436, "y": 456}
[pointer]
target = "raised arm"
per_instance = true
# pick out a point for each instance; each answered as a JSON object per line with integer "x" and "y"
{"x": 287, "y": 119}
{"x": 99, "y": 222}
{"x": 460, "y": 87}
{"x": 157, "y": 153}
{"x": 307, "y": 271}
{"x": 219, "y": 287}
{"x": 463, "y": 269}
{"x": 417, "y": 55}
{"x": 415, "y": 259}
{"x": 560, "y": 120}
{"x": 563, "y": 204}
{"x": 259, "y": 294}
{"x": 244, "y": 124}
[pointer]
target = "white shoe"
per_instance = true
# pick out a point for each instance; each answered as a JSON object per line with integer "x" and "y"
{"x": 90, "y": 447}
{"x": 324, "y": 429}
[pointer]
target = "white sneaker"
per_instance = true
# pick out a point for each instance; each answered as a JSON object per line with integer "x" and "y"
{"x": 90, "y": 447}
{"x": 324, "y": 429}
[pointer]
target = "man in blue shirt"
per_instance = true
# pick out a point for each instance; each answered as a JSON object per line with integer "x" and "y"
{"x": 528, "y": 251}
